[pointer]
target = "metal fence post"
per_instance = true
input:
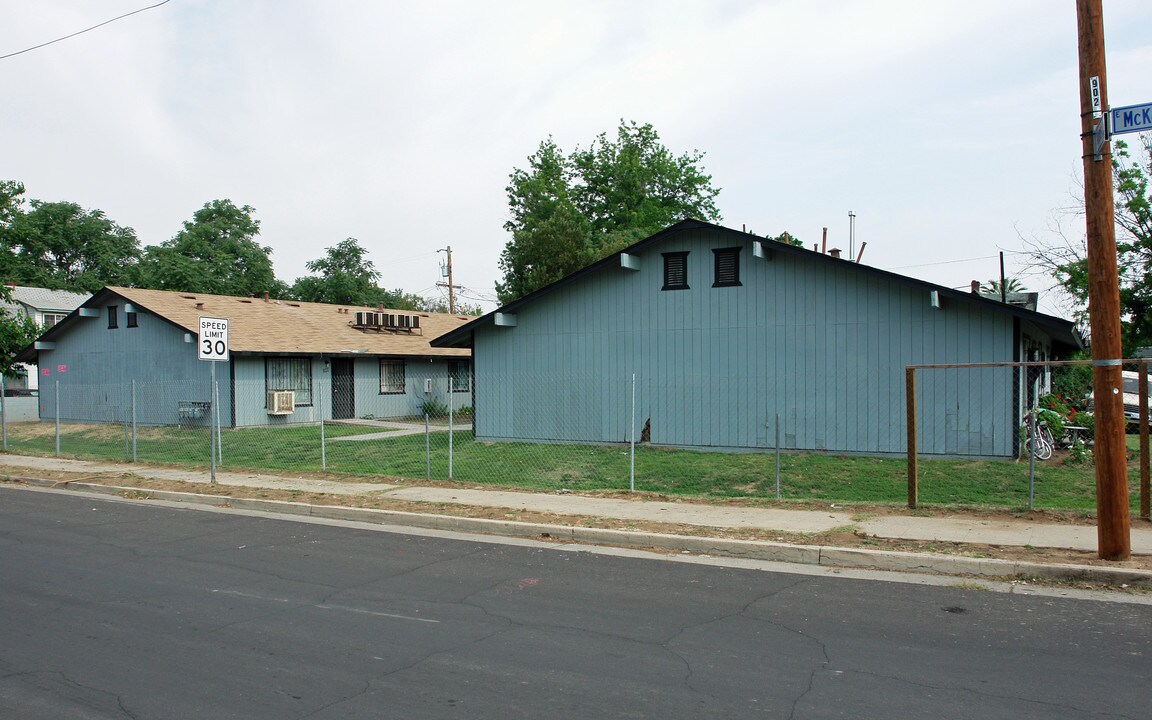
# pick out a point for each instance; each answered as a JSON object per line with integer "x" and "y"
{"x": 1142, "y": 387}
{"x": 1034, "y": 408}
{"x": 57, "y": 418}
{"x": 4, "y": 411}
{"x": 323, "y": 443}
{"x": 133, "y": 421}
{"x": 216, "y": 415}
{"x": 910, "y": 411}
{"x": 632, "y": 435}
{"x": 212, "y": 430}
{"x": 427, "y": 447}
{"x": 451, "y": 430}
{"x": 777, "y": 456}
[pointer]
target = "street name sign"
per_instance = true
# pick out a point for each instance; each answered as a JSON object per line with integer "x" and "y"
{"x": 213, "y": 341}
{"x": 1132, "y": 118}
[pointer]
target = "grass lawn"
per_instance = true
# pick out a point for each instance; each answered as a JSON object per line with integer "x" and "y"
{"x": 583, "y": 468}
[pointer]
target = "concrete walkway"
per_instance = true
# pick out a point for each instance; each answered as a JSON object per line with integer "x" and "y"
{"x": 393, "y": 429}
{"x": 1021, "y": 533}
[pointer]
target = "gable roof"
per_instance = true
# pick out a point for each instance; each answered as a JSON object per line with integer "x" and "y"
{"x": 281, "y": 327}
{"x": 1063, "y": 331}
{"x": 44, "y": 299}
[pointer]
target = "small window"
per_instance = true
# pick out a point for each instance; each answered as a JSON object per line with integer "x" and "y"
{"x": 392, "y": 377}
{"x": 675, "y": 271}
{"x": 50, "y": 319}
{"x": 112, "y": 321}
{"x": 290, "y": 373}
{"x": 459, "y": 373}
{"x": 131, "y": 319}
{"x": 727, "y": 267}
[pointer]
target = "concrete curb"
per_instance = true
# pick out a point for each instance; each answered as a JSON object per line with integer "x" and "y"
{"x": 856, "y": 558}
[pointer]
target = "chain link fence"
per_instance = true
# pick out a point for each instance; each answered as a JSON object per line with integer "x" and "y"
{"x": 797, "y": 435}
{"x": 1040, "y": 413}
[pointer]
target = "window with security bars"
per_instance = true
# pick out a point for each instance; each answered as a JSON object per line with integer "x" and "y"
{"x": 459, "y": 372}
{"x": 675, "y": 271}
{"x": 290, "y": 373}
{"x": 392, "y": 377}
{"x": 727, "y": 261}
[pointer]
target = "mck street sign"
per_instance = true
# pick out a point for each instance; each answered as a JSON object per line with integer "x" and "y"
{"x": 213, "y": 341}
{"x": 1131, "y": 118}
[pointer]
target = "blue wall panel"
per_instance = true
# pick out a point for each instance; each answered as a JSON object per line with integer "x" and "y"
{"x": 820, "y": 344}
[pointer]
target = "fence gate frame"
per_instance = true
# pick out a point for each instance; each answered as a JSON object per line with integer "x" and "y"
{"x": 910, "y": 402}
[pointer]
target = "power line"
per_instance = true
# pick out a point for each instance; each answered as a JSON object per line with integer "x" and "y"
{"x": 81, "y": 32}
{"x": 953, "y": 262}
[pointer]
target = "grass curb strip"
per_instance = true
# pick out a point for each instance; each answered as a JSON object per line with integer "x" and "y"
{"x": 838, "y": 557}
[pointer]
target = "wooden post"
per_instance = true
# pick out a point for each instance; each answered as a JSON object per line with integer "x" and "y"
{"x": 910, "y": 404}
{"x": 1145, "y": 510}
{"x": 1112, "y": 517}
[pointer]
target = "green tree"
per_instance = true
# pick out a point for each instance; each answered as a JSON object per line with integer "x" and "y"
{"x": 344, "y": 276}
{"x": 11, "y": 198}
{"x": 216, "y": 253}
{"x": 1066, "y": 260}
{"x": 1011, "y": 285}
{"x": 568, "y": 210}
{"x": 788, "y": 239}
{"x": 61, "y": 245}
{"x": 17, "y": 331}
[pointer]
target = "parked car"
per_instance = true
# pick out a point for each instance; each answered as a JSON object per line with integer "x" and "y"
{"x": 1131, "y": 389}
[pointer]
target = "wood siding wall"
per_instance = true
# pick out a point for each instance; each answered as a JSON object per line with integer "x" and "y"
{"x": 816, "y": 342}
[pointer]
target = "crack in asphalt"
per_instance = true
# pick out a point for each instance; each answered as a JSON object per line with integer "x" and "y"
{"x": 999, "y": 696}
{"x": 74, "y": 683}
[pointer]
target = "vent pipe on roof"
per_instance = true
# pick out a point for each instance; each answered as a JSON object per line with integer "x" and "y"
{"x": 265, "y": 296}
{"x": 824, "y": 242}
{"x": 199, "y": 306}
{"x": 975, "y": 287}
{"x": 861, "y": 253}
{"x": 835, "y": 252}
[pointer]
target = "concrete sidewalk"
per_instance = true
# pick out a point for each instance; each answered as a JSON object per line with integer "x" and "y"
{"x": 991, "y": 532}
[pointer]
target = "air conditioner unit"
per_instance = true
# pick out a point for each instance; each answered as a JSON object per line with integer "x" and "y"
{"x": 360, "y": 320}
{"x": 281, "y": 402}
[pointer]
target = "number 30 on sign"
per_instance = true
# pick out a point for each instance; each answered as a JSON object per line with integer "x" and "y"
{"x": 213, "y": 341}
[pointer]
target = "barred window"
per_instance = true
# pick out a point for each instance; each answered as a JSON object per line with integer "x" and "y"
{"x": 392, "y": 377}
{"x": 290, "y": 373}
{"x": 459, "y": 372}
{"x": 727, "y": 262}
{"x": 675, "y": 271}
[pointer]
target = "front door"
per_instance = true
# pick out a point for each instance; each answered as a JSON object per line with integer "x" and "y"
{"x": 343, "y": 388}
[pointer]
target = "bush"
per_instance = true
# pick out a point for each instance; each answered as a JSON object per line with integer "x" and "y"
{"x": 1087, "y": 421}
{"x": 434, "y": 407}
{"x": 1054, "y": 420}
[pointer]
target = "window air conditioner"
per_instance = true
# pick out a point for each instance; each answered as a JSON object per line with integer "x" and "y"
{"x": 281, "y": 402}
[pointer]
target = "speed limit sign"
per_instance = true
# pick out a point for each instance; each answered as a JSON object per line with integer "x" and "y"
{"x": 213, "y": 342}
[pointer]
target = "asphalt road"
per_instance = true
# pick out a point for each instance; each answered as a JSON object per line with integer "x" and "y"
{"x": 127, "y": 609}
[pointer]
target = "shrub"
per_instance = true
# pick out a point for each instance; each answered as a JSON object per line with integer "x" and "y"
{"x": 434, "y": 407}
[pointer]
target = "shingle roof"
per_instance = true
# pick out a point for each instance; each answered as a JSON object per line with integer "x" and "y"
{"x": 256, "y": 325}
{"x": 44, "y": 299}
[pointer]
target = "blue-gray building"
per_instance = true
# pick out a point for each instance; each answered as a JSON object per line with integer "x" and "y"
{"x": 730, "y": 336}
{"x": 290, "y": 362}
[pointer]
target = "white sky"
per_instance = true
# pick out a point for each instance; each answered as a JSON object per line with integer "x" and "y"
{"x": 950, "y": 127}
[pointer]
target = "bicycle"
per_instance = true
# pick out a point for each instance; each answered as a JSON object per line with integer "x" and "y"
{"x": 1045, "y": 444}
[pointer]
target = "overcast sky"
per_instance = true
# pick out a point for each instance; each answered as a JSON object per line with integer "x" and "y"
{"x": 950, "y": 128}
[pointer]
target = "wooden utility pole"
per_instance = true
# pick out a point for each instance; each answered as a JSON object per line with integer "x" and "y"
{"x": 1112, "y": 522}
{"x": 448, "y": 272}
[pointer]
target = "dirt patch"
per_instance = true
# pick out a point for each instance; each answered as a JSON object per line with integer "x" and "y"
{"x": 847, "y": 537}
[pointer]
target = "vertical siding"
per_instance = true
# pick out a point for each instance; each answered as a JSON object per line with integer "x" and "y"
{"x": 102, "y": 362}
{"x": 823, "y": 345}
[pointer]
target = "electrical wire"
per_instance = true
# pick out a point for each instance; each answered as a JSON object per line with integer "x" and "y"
{"x": 81, "y": 32}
